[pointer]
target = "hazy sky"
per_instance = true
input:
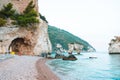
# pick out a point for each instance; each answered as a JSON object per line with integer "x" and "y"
{"x": 96, "y": 21}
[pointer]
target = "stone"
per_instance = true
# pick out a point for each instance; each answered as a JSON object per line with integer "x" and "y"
{"x": 59, "y": 56}
{"x": 70, "y": 57}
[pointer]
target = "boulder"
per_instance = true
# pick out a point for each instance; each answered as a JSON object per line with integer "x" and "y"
{"x": 58, "y": 56}
{"x": 70, "y": 57}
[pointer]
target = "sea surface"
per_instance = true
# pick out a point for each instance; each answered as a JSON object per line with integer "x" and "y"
{"x": 104, "y": 67}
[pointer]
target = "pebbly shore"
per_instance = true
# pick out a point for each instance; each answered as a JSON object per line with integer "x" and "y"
{"x": 25, "y": 68}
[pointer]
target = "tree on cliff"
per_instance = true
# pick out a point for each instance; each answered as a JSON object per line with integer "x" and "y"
{"x": 29, "y": 16}
{"x": 6, "y": 13}
{"x": 43, "y": 18}
{"x": 29, "y": 8}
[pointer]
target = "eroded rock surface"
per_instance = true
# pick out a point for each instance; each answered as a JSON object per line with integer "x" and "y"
{"x": 75, "y": 47}
{"x": 21, "y": 40}
{"x": 114, "y": 45}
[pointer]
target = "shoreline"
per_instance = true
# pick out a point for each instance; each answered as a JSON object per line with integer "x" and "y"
{"x": 25, "y": 68}
{"x": 44, "y": 72}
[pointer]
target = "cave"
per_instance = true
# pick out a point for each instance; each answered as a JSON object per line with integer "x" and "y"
{"x": 20, "y": 46}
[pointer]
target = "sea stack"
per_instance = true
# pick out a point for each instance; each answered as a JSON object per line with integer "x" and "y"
{"x": 114, "y": 45}
{"x": 75, "y": 47}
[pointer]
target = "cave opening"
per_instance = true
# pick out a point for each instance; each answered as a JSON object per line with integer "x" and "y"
{"x": 20, "y": 47}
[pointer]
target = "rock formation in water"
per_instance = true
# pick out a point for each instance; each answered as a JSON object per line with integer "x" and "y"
{"x": 75, "y": 47}
{"x": 114, "y": 45}
{"x": 70, "y": 57}
{"x": 22, "y": 40}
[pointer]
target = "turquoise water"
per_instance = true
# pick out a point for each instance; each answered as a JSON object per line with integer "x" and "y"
{"x": 104, "y": 67}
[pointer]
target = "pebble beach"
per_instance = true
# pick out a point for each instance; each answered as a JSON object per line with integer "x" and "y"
{"x": 25, "y": 68}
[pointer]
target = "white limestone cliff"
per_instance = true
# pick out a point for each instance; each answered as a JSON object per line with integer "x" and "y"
{"x": 114, "y": 45}
{"x": 75, "y": 47}
{"x": 31, "y": 42}
{"x": 27, "y": 41}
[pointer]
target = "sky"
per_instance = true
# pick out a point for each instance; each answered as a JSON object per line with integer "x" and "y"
{"x": 95, "y": 21}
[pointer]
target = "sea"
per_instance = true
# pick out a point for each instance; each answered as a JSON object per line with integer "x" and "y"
{"x": 103, "y": 66}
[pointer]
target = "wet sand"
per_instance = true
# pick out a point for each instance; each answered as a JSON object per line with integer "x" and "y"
{"x": 44, "y": 72}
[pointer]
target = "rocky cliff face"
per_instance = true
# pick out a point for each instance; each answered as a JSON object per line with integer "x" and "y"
{"x": 29, "y": 41}
{"x": 75, "y": 47}
{"x": 114, "y": 45}
{"x": 43, "y": 45}
{"x": 25, "y": 41}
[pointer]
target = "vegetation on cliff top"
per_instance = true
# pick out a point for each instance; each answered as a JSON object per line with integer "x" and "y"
{"x": 2, "y": 22}
{"x": 63, "y": 37}
{"x": 5, "y": 13}
{"x": 27, "y": 18}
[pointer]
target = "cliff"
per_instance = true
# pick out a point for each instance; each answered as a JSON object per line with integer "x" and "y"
{"x": 59, "y": 36}
{"x": 114, "y": 45}
{"x": 29, "y": 41}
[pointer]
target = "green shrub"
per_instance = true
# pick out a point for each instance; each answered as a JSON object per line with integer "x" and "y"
{"x": 23, "y": 20}
{"x": 29, "y": 8}
{"x": 2, "y": 22}
{"x": 7, "y": 11}
{"x": 28, "y": 17}
{"x": 43, "y": 18}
